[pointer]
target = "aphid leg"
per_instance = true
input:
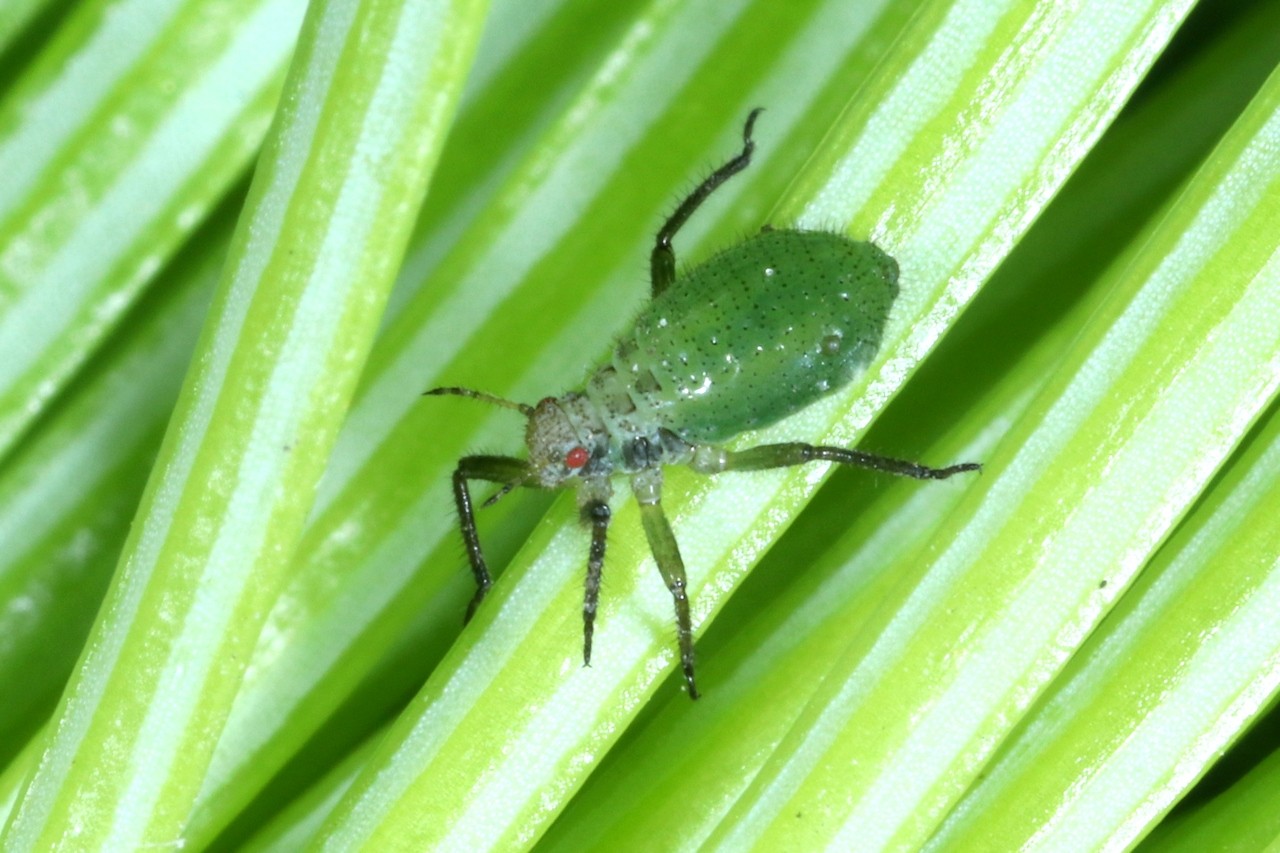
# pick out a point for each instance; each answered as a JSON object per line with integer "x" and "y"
{"x": 647, "y": 485}
{"x": 596, "y": 513}
{"x": 494, "y": 469}
{"x": 662, "y": 261}
{"x": 712, "y": 460}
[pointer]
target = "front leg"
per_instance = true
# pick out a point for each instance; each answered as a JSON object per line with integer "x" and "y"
{"x": 647, "y": 486}
{"x": 714, "y": 460}
{"x": 596, "y": 513}
{"x": 495, "y": 469}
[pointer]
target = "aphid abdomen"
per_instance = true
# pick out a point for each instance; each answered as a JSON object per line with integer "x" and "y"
{"x": 758, "y": 332}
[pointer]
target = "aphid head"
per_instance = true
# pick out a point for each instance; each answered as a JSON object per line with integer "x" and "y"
{"x": 563, "y": 440}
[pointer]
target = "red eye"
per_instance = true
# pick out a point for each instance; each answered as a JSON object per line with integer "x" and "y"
{"x": 577, "y": 457}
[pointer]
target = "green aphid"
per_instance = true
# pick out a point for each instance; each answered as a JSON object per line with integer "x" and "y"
{"x": 756, "y": 333}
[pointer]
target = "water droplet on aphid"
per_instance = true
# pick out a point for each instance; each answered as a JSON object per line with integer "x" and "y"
{"x": 662, "y": 322}
{"x": 831, "y": 344}
{"x": 768, "y": 271}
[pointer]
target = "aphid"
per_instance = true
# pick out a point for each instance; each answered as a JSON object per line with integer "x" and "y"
{"x": 752, "y": 335}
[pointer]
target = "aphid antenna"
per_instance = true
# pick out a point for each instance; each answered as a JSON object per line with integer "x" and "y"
{"x": 523, "y": 408}
{"x": 506, "y": 489}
